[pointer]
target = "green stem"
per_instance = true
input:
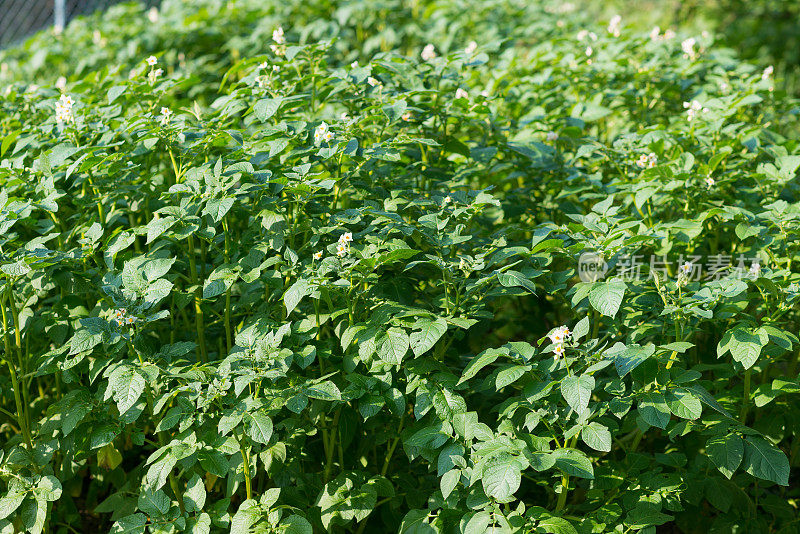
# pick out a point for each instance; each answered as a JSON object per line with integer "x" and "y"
{"x": 228, "y": 335}
{"x": 18, "y": 344}
{"x": 393, "y": 446}
{"x": 248, "y": 483}
{"x": 198, "y": 310}
{"x": 745, "y": 397}
{"x": 562, "y": 497}
{"x": 331, "y": 441}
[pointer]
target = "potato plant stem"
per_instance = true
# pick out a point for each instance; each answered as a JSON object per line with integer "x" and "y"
{"x": 745, "y": 397}
{"x": 198, "y": 310}
{"x": 228, "y": 335}
{"x": 18, "y": 344}
{"x": 248, "y": 483}
{"x": 393, "y": 446}
{"x": 21, "y": 417}
{"x": 562, "y": 497}
{"x": 331, "y": 442}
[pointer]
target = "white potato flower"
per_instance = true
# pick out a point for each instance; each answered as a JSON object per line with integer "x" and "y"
{"x": 374, "y": 82}
{"x": 318, "y": 255}
{"x": 152, "y": 60}
{"x": 559, "y": 335}
{"x": 558, "y": 352}
{"x": 614, "y": 25}
{"x": 460, "y": 93}
{"x": 278, "y": 36}
{"x": 166, "y": 114}
{"x": 428, "y": 53}
{"x": 687, "y": 45}
{"x": 552, "y": 136}
{"x": 471, "y": 47}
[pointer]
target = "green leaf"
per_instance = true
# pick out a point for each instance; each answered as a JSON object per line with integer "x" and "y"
{"x": 449, "y": 481}
{"x": 326, "y": 391}
{"x": 683, "y": 404}
{"x": 726, "y": 452}
{"x": 301, "y": 288}
{"x": 577, "y": 390}
{"x": 556, "y": 525}
{"x": 479, "y": 362}
{"x": 516, "y": 279}
{"x": 502, "y": 477}
{"x": 425, "y": 335}
{"x": 745, "y": 347}
{"x": 245, "y": 517}
{"x": 153, "y": 503}
{"x": 194, "y": 498}
{"x": 10, "y": 502}
{"x": 393, "y": 346}
{"x": 295, "y": 524}
{"x": 131, "y": 524}
{"x": 217, "y": 208}
{"x": 606, "y": 297}
{"x": 259, "y": 428}
{"x": 266, "y": 108}
{"x": 654, "y": 410}
{"x": 127, "y": 385}
{"x": 597, "y": 437}
{"x": 478, "y": 523}
{"x": 764, "y": 460}
{"x": 629, "y": 357}
{"x": 581, "y": 329}
{"x": 573, "y": 462}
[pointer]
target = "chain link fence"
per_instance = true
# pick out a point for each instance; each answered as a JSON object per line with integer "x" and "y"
{"x": 21, "y": 18}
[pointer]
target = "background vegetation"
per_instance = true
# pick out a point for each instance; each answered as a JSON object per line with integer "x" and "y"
{"x": 313, "y": 266}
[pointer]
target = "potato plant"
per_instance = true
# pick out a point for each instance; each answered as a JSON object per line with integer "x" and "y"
{"x": 417, "y": 267}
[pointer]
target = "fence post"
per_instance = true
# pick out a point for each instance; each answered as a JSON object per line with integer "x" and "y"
{"x": 59, "y": 15}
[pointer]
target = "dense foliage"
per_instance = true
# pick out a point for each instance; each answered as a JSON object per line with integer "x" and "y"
{"x": 322, "y": 267}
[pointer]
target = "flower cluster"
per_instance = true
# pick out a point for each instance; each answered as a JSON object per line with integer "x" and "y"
{"x": 655, "y": 34}
{"x": 647, "y": 161}
{"x": 693, "y": 108}
{"x": 166, "y": 114}
{"x": 471, "y": 47}
{"x": 343, "y": 246}
{"x": 614, "y": 25}
{"x": 586, "y": 34}
{"x": 687, "y": 45}
{"x": 558, "y": 337}
{"x": 373, "y": 82}
{"x": 64, "y": 109}
{"x": 279, "y": 48}
{"x": 428, "y": 53}
{"x": 323, "y": 133}
{"x": 460, "y": 93}
{"x": 122, "y": 318}
{"x": 685, "y": 273}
